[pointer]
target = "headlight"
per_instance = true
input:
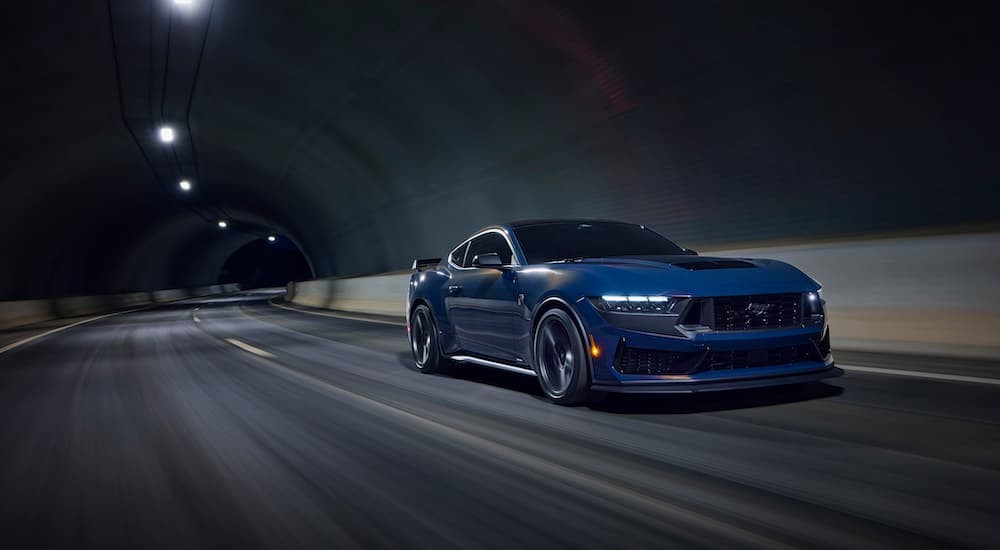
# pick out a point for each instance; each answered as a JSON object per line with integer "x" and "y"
{"x": 635, "y": 304}
{"x": 813, "y": 313}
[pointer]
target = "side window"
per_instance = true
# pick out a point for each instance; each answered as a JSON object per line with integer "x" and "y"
{"x": 487, "y": 243}
{"x": 458, "y": 255}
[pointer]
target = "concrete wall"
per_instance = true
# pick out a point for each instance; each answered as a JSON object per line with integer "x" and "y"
{"x": 930, "y": 295}
{"x": 25, "y": 312}
{"x": 377, "y": 294}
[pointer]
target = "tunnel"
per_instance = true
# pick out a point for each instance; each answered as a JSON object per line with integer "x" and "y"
{"x": 364, "y": 134}
{"x": 499, "y": 274}
{"x": 267, "y": 262}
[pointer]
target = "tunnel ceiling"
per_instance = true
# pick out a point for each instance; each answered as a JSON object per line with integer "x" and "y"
{"x": 370, "y": 132}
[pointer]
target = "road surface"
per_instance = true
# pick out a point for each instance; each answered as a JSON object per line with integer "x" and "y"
{"x": 230, "y": 422}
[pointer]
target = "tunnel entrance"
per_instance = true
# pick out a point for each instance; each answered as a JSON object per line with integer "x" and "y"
{"x": 263, "y": 263}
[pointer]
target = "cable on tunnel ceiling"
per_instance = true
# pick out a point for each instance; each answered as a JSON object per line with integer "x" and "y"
{"x": 178, "y": 168}
{"x": 220, "y": 209}
{"x": 166, "y": 67}
{"x": 194, "y": 87}
{"x": 149, "y": 63}
{"x": 149, "y": 83}
{"x": 190, "y": 101}
{"x": 124, "y": 117}
{"x": 165, "y": 186}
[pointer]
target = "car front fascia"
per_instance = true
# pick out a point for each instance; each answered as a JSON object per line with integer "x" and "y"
{"x": 607, "y": 337}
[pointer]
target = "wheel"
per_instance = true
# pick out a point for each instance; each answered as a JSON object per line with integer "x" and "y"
{"x": 561, "y": 359}
{"x": 424, "y": 342}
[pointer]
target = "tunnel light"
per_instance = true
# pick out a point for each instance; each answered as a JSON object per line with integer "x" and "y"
{"x": 271, "y": 238}
{"x": 166, "y": 134}
{"x": 183, "y": 2}
{"x": 185, "y": 185}
{"x": 223, "y": 224}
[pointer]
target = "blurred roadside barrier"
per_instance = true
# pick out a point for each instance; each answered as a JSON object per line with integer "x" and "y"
{"x": 24, "y": 312}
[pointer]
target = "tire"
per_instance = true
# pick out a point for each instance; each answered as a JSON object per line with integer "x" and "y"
{"x": 561, "y": 359}
{"x": 424, "y": 342}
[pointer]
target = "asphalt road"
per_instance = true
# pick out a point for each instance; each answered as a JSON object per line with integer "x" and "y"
{"x": 232, "y": 423}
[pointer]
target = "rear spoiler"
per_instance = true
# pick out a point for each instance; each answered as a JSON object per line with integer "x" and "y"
{"x": 421, "y": 264}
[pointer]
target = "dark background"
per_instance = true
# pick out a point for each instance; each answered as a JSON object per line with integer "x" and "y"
{"x": 368, "y": 133}
{"x": 262, "y": 263}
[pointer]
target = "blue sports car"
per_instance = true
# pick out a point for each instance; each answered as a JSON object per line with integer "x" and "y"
{"x": 592, "y": 306}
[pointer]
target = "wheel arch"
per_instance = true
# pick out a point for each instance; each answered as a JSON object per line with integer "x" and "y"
{"x": 558, "y": 302}
{"x": 420, "y": 301}
{"x": 412, "y": 305}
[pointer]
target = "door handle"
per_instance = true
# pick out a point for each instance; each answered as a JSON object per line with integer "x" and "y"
{"x": 454, "y": 289}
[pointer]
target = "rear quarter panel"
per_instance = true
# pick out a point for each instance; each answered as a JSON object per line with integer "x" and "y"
{"x": 429, "y": 287}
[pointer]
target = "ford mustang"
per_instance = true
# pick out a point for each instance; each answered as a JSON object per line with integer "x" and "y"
{"x": 591, "y": 306}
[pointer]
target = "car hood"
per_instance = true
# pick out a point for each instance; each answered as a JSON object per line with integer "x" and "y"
{"x": 694, "y": 275}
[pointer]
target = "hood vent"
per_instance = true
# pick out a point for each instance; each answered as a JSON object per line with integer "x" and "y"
{"x": 702, "y": 265}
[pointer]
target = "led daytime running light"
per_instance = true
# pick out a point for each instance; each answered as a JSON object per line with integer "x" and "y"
{"x": 635, "y": 304}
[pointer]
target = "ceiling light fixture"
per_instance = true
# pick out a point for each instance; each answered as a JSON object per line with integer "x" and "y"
{"x": 166, "y": 134}
{"x": 223, "y": 224}
{"x": 185, "y": 185}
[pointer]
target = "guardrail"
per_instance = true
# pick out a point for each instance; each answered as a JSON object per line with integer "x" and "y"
{"x": 924, "y": 295}
{"x": 24, "y": 312}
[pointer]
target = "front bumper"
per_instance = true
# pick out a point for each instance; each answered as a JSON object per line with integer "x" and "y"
{"x": 707, "y": 353}
{"x": 748, "y": 380}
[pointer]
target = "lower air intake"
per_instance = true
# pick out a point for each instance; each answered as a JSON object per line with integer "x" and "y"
{"x": 660, "y": 362}
{"x": 748, "y": 359}
{"x": 653, "y": 361}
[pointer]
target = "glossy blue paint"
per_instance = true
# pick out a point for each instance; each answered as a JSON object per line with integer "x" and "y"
{"x": 490, "y": 313}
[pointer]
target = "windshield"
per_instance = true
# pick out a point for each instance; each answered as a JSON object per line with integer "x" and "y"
{"x": 547, "y": 242}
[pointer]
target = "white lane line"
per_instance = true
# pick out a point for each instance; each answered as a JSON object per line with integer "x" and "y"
{"x": 921, "y": 374}
{"x": 247, "y": 347}
{"x": 337, "y": 315}
{"x": 20, "y": 343}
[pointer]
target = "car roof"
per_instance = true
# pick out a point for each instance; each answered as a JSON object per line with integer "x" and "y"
{"x": 509, "y": 227}
{"x": 545, "y": 221}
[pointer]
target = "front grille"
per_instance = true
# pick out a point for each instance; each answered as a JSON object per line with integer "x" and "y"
{"x": 757, "y": 311}
{"x": 631, "y": 360}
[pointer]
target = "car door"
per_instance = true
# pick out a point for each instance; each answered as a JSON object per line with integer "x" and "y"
{"x": 483, "y": 301}
{"x": 446, "y": 324}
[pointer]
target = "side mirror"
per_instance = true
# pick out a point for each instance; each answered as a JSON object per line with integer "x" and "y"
{"x": 491, "y": 259}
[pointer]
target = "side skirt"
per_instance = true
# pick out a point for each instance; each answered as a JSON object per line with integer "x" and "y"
{"x": 493, "y": 364}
